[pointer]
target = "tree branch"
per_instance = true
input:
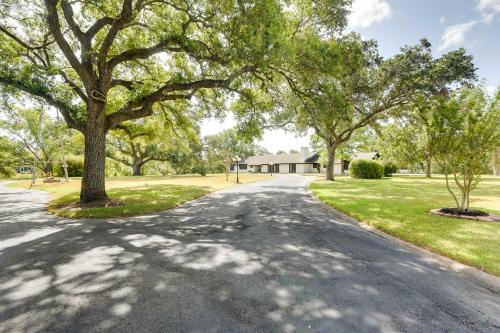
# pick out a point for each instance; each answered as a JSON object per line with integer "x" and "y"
{"x": 143, "y": 106}
{"x": 116, "y": 26}
{"x": 75, "y": 87}
{"x": 55, "y": 29}
{"x": 124, "y": 161}
{"x": 98, "y": 25}
{"x": 63, "y": 108}
{"x": 68, "y": 16}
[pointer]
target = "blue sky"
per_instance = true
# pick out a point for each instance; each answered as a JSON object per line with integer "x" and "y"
{"x": 447, "y": 24}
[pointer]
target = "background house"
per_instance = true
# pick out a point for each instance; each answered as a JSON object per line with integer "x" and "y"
{"x": 303, "y": 162}
{"x": 25, "y": 168}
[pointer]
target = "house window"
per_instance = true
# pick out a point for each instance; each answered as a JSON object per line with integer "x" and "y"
{"x": 231, "y": 167}
{"x": 243, "y": 166}
{"x": 276, "y": 168}
{"x": 292, "y": 168}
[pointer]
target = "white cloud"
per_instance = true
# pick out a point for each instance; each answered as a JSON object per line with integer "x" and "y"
{"x": 484, "y": 5}
{"x": 455, "y": 35}
{"x": 489, "y": 9}
{"x": 366, "y": 12}
{"x": 442, "y": 20}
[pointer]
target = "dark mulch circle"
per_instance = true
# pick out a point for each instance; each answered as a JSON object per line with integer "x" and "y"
{"x": 476, "y": 215}
{"x": 455, "y": 211}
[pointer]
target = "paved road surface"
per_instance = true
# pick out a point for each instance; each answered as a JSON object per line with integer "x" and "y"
{"x": 263, "y": 257}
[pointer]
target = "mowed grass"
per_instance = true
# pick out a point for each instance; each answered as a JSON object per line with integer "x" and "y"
{"x": 136, "y": 195}
{"x": 400, "y": 206}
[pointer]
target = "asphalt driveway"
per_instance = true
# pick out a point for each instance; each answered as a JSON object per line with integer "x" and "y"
{"x": 262, "y": 257}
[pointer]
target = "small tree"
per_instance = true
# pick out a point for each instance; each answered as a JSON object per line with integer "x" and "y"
{"x": 135, "y": 144}
{"x": 37, "y": 133}
{"x": 223, "y": 147}
{"x": 400, "y": 143}
{"x": 467, "y": 127}
{"x": 10, "y": 152}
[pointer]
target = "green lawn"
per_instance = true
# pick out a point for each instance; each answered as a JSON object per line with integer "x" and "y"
{"x": 134, "y": 201}
{"x": 136, "y": 195}
{"x": 400, "y": 206}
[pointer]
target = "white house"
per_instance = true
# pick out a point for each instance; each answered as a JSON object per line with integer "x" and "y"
{"x": 304, "y": 162}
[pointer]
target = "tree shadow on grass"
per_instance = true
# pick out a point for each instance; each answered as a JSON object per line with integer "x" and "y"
{"x": 131, "y": 201}
{"x": 247, "y": 260}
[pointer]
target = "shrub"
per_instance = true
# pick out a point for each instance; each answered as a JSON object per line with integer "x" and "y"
{"x": 389, "y": 169}
{"x": 75, "y": 168}
{"x": 200, "y": 168}
{"x": 366, "y": 169}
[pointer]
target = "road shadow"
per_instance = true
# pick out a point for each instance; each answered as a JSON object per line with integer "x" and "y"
{"x": 256, "y": 259}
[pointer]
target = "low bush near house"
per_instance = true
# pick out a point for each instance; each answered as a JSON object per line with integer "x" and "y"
{"x": 366, "y": 169}
{"x": 389, "y": 169}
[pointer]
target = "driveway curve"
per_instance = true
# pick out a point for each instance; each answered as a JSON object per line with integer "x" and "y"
{"x": 261, "y": 257}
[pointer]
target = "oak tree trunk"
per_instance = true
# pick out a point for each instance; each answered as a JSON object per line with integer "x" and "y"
{"x": 136, "y": 169}
{"x": 330, "y": 164}
{"x": 93, "y": 180}
{"x": 428, "y": 167}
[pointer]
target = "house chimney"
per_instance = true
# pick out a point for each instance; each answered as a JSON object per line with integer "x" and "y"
{"x": 304, "y": 152}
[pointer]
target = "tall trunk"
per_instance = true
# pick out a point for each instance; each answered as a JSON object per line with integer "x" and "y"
{"x": 136, "y": 169}
{"x": 428, "y": 166}
{"x": 330, "y": 164}
{"x": 495, "y": 162}
{"x": 48, "y": 168}
{"x": 449, "y": 189}
{"x": 93, "y": 180}
{"x": 464, "y": 200}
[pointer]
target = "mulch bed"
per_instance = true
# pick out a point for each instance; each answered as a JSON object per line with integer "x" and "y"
{"x": 476, "y": 215}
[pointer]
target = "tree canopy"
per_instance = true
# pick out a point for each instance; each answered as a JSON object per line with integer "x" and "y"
{"x": 467, "y": 130}
{"x": 340, "y": 85}
{"x": 223, "y": 147}
{"x": 103, "y": 63}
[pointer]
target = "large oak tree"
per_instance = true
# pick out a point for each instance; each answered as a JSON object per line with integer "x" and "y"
{"x": 338, "y": 86}
{"x": 102, "y": 63}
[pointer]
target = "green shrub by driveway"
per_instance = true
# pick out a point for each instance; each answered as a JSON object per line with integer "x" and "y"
{"x": 366, "y": 169}
{"x": 400, "y": 206}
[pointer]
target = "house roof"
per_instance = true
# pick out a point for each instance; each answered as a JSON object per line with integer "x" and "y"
{"x": 304, "y": 157}
{"x": 371, "y": 155}
{"x": 310, "y": 157}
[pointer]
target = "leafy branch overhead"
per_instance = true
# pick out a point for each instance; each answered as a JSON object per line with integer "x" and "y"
{"x": 105, "y": 63}
{"x": 202, "y": 46}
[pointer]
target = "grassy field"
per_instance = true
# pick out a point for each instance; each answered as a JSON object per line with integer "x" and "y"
{"x": 400, "y": 206}
{"x": 137, "y": 195}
